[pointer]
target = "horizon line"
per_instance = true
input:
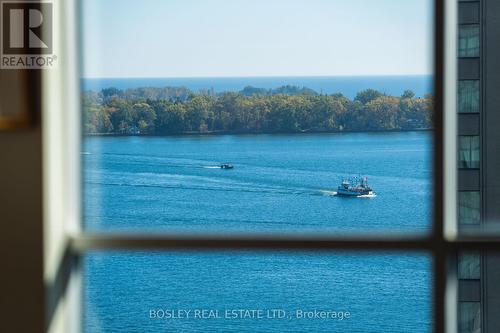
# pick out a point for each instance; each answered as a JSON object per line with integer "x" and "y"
{"x": 248, "y": 76}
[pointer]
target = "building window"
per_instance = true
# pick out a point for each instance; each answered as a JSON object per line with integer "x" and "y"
{"x": 468, "y": 151}
{"x": 469, "y": 266}
{"x": 468, "y": 41}
{"x": 468, "y": 96}
{"x": 470, "y": 317}
{"x": 469, "y": 207}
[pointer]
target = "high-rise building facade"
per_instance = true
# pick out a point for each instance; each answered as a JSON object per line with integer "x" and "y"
{"x": 478, "y": 108}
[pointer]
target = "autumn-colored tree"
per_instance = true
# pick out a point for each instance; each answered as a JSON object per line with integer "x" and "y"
{"x": 173, "y": 110}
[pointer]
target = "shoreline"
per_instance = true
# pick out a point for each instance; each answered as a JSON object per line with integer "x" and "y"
{"x": 216, "y": 133}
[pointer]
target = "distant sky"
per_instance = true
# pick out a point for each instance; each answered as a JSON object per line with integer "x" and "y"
{"x": 206, "y": 38}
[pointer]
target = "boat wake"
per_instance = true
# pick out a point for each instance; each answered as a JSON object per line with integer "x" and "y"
{"x": 328, "y": 193}
{"x": 211, "y": 167}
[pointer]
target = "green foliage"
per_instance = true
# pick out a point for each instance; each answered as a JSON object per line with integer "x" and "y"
{"x": 171, "y": 110}
{"x": 145, "y": 117}
{"x": 368, "y": 95}
{"x": 408, "y": 94}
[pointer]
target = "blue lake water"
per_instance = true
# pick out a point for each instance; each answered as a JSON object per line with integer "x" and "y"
{"x": 384, "y": 293}
{"x": 280, "y": 184}
{"x": 347, "y": 85}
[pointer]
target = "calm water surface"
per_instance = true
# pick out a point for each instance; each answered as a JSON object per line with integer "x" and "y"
{"x": 280, "y": 183}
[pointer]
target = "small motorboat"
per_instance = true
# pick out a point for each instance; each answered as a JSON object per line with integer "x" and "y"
{"x": 226, "y": 166}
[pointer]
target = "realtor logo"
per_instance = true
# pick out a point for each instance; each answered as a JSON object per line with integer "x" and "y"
{"x": 27, "y": 35}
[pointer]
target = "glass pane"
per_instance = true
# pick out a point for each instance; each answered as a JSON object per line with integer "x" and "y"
{"x": 210, "y": 117}
{"x": 469, "y": 266}
{"x": 469, "y": 207}
{"x": 464, "y": 151}
{"x": 468, "y": 43}
{"x": 474, "y": 147}
{"x": 257, "y": 292}
{"x": 468, "y": 151}
{"x": 468, "y": 96}
{"x": 470, "y": 317}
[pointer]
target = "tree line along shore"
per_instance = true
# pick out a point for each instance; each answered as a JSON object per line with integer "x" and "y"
{"x": 287, "y": 109}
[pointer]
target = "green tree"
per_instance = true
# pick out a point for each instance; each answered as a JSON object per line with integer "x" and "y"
{"x": 171, "y": 118}
{"x": 199, "y": 111}
{"x": 172, "y": 110}
{"x": 408, "y": 94}
{"x": 145, "y": 117}
{"x": 368, "y": 95}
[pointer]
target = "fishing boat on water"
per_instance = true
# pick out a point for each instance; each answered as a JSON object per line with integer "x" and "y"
{"x": 226, "y": 166}
{"x": 355, "y": 187}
